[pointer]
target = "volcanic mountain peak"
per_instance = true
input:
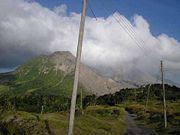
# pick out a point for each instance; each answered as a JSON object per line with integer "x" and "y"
{"x": 63, "y": 60}
{"x": 53, "y": 74}
{"x": 91, "y": 80}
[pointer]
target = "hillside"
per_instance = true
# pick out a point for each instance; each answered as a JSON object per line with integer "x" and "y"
{"x": 89, "y": 78}
{"x": 37, "y": 76}
{"x": 53, "y": 75}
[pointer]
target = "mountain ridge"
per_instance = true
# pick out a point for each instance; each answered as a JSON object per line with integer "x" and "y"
{"x": 88, "y": 77}
{"x": 54, "y": 73}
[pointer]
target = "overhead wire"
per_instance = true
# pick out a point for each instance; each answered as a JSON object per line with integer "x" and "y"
{"x": 131, "y": 28}
{"x": 133, "y": 36}
{"x": 128, "y": 28}
{"x": 92, "y": 10}
{"x": 130, "y": 33}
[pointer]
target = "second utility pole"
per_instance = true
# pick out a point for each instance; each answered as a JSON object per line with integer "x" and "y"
{"x": 164, "y": 95}
{"x": 76, "y": 77}
{"x": 147, "y": 100}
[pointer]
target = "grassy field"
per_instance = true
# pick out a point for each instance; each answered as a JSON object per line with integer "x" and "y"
{"x": 96, "y": 120}
{"x": 154, "y": 117}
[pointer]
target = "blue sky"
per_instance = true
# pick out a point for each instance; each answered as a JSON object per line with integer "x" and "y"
{"x": 162, "y": 15}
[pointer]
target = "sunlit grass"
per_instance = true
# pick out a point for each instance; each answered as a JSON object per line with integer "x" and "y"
{"x": 96, "y": 120}
{"x": 154, "y": 116}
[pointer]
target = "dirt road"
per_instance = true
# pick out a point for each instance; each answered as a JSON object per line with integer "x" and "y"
{"x": 135, "y": 129}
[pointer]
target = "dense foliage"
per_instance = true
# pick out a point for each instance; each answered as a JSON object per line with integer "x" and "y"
{"x": 136, "y": 94}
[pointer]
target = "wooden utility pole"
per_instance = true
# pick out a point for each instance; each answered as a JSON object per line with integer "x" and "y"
{"x": 42, "y": 109}
{"x": 164, "y": 95}
{"x": 81, "y": 106}
{"x": 76, "y": 77}
{"x": 147, "y": 100}
{"x": 135, "y": 95}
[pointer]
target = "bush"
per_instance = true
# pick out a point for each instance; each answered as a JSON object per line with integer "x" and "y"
{"x": 103, "y": 111}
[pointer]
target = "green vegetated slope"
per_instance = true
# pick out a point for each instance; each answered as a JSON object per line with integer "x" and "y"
{"x": 37, "y": 83}
{"x": 96, "y": 120}
{"x": 38, "y": 76}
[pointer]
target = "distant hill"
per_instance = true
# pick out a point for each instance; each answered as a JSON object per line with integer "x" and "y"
{"x": 53, "y": 75}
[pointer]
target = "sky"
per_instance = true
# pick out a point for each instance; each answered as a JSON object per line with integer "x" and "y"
{"x": 156, "y": 12}
{"x": 127, "y": 40}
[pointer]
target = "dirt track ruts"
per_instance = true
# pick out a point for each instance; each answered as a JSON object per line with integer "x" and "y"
{"x": 135, "y": 129}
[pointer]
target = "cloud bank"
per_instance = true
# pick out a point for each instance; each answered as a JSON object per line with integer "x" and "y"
{"x": 27, "y": 29}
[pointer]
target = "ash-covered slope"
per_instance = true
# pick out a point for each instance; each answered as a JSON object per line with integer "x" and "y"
{"x": 91, "y": 80}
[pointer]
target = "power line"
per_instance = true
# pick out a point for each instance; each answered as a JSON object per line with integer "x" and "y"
{"x": 134, "y": 38}
{"x": 91, "y": 10}
{"x": 127, "y": 31}
{"x": 130, "y": 28}
{"x": 132, "y": 34}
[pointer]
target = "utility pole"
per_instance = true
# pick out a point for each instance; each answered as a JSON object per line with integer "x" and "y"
{"x": 42, "y": 109}
{"x": 77, "y": 66}
{"x": 147, "y": 100}
{"x": 81, "y": 106}
{"x": 164, "y": 95}
{"x": 135, "y": 95}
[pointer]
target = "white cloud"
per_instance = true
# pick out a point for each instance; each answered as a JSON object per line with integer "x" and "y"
{"x": 28, "y": 29}
{"x": 60, "y": 10}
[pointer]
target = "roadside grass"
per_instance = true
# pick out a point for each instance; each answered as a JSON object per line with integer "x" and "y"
{"x": 3, "y": 88}
{"x": 20, "y": 123}
{"x": 96, "y": 120}
{"x": 154, "y": 117}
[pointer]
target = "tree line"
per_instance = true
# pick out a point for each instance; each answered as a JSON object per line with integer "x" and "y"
{"x": 54, "y": 103}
